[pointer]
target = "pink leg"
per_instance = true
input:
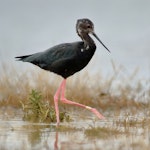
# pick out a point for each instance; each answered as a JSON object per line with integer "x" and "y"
{"x": 56, "y": 98}
{"x": 64, "y": 100}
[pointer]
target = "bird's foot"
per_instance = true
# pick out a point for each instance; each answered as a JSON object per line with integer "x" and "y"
{"x": 100, "y": 116}
{"x": 57, "y": 124}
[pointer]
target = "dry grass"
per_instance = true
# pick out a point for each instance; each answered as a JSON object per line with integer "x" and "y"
{"x": 102, "y": 132}
{"x": 108, "y": 94}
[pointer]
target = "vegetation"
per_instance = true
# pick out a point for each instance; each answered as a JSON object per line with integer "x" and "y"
{"x": 123, "y": 99}
{"x": 35, "y": 109}
{"x": 109, "y": 95}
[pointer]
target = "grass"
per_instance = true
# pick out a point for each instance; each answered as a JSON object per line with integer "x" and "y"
{"x": 102, "y": 132}
{"x": 107, "y": 94}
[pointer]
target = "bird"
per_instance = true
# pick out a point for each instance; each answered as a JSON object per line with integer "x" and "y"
{"x": 66, "y": 59}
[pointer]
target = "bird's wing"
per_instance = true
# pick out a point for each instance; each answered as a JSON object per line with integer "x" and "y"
{"x": 58, "y": 56}
{"x": 55, "y": 58}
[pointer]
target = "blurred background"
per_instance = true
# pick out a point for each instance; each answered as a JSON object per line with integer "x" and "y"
{"x": 30, "y": 26}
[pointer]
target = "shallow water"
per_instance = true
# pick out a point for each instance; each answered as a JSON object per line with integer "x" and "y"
{"x": 16, "y": 134}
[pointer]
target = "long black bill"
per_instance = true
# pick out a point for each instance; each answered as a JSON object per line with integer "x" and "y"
{"x": 100, "y": 41}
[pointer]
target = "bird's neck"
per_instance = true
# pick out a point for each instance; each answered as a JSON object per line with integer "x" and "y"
{"x": 88, "y": 41}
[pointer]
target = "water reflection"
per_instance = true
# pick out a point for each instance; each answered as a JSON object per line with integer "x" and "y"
{"x": 56, "y": 142}
{"x": 17, "y": 134}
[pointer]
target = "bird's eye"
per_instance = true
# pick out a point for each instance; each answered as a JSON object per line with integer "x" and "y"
{"x": 88, "y": 26}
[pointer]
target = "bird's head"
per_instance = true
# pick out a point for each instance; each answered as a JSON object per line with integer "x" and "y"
{"x": 86, "y": 26}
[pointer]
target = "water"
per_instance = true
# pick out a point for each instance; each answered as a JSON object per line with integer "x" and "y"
{"x": 17, "y": 134}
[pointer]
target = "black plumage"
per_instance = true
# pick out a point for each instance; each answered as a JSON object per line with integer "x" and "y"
{"x": 66, "y": 59}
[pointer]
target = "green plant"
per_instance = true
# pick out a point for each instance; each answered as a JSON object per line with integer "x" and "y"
{"x": 37, "y": 110}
